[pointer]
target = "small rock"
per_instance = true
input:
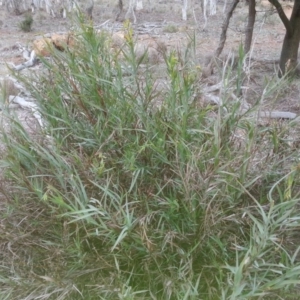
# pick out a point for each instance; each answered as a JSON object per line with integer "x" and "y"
{"x": 60, "y": 41}
{"x": 42, "y": 47}
{"x": 118, "y": 39}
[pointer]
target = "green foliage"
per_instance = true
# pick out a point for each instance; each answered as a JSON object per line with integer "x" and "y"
{"x": 170, "y": 28}
{"x": 136, "y": 192}
{"x": 26, "y": 24}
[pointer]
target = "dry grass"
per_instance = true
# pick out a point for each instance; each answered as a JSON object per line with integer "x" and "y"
{"x": 145, "y": 193}
{"x": 7, "y": 87}
{"x": 138, "y": 201}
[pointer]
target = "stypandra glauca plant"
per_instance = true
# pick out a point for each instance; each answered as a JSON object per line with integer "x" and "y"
{"x": 137, "y": 190}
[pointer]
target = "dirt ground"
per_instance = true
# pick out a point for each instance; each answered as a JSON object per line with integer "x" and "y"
{"x": 166, "y": 16}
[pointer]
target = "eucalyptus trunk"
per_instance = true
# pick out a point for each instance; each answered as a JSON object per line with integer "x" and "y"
{"x": 289, "y": 52}
{"x": 250, "y": 25}
{"x": 120, "y": 9}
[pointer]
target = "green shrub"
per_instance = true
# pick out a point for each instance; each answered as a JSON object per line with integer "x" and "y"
{"x": 26, "y": 24}
{"x": 130, "y": 192}
{"x": 170, "y": 28}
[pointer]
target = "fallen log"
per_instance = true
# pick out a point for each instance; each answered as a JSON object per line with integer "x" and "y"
{"x": 245, "y": 106}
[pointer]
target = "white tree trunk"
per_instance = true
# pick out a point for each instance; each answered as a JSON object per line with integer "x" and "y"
{"x": 204, "y": 12}
{"x": 130, "y": 12}
{"x": 49, "y": 7}
{"x": 139, "y": 5}
{"x": 25, "y": 7}
{"x": 184, "y": 9}
{"x": 70, "y": 5}
{"x": 224, "y": 7}
{"x": 212, "y": 7}
{"x": 37, "y": 3}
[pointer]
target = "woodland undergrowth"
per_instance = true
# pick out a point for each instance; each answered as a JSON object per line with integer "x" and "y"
{"x": 134, "y": 191}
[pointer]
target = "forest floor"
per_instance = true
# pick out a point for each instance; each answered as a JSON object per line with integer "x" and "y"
{"x": 169, "y": 28}
{"x": 164, "y": 20}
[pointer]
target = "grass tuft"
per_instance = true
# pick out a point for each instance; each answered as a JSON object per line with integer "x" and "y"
{"x": 136, "y": 190}
{"x": 26, "y": 24}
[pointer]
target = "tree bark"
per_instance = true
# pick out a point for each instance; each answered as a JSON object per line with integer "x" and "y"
{"x": 290, "y": 46}
{"x": 139, "y": 5}
{"x": 130, "y": 15}
{"x": 184, "y": 9}
{"x": 282, "y": 15}
{"x": 89, "y": 10}
{"x": 225, "y": 24}
{"x": 250, "y": 26}
{"x": 120, "y": 6}
{"x": 208, "y": 70}
{"x": 212, "y": 7}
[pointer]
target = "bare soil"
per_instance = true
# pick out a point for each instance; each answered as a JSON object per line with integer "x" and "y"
{"x": 268, "y": 36}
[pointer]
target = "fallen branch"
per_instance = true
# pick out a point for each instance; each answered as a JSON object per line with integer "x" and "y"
{"x": 245, "y": 106}
{"x": 29, "y": 63}
{"x": 213, "y": 88}
{"x": 104, "y": 24}
{"x": 24, "y": 103}
{"x": 273, "y": 114}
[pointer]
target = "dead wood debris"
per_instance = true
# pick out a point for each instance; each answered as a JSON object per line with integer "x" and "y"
{"x": 209, "y": 94}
